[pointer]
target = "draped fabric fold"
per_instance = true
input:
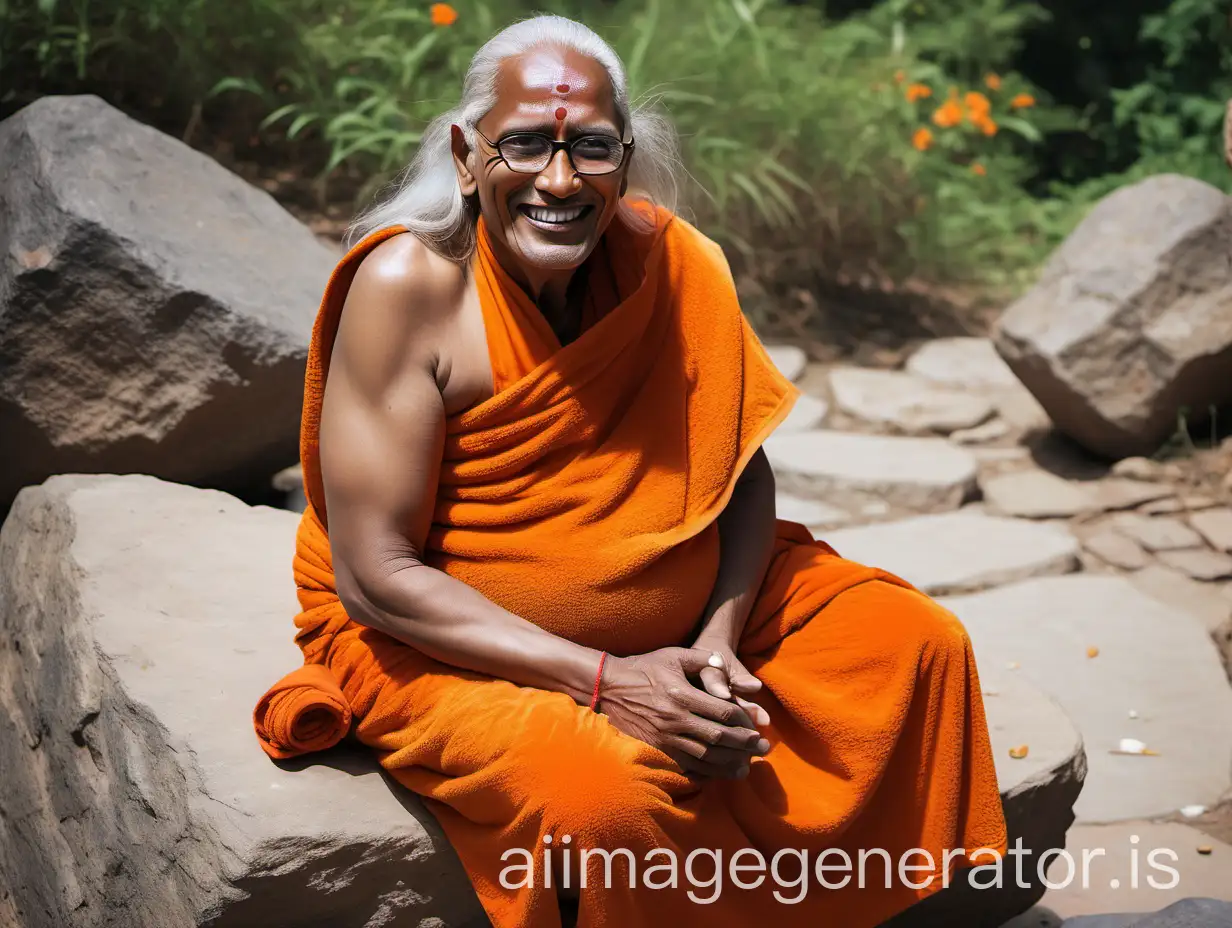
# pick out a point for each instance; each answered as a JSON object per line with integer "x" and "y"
{"x": 584, "y": 496}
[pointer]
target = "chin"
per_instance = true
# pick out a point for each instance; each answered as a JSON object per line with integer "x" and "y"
{"x": 554, "y": 257}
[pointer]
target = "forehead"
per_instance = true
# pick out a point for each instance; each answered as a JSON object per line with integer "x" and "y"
{"x": 528, "y": 87}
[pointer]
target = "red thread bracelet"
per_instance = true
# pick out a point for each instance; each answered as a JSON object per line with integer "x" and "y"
{"x": 594, "y": 699}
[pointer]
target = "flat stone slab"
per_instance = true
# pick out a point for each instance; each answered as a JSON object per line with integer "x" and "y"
{"x": 809, "y": 412}
{"x": 1215, "y": 525}
{"x": 1156, "y": 844}
{"x": 908, "y": 403}
{"x": 789, "y": 359}
{"x": 1040, "y": 494}
{"x": 916, "y": 474}
{"x": 1116, "y": 549}
{"x": 1157, "y": 533}
{"x": 809, "y": 512}
{"x": 1202, "y": 601}
{"x": 966, "y": 363}
{"x": 957, "y": 552}
{"x": 1199, "y": 563}
{"x": 1156, "y": 661}
{"x": 151, "y": 617}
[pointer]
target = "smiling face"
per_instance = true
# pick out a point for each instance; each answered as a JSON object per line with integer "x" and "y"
{"x": 551, "y": 221}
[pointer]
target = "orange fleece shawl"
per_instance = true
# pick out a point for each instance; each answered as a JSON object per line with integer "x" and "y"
{"x": 583, "y": 496}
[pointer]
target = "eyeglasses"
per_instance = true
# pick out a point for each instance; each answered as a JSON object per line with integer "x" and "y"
{"x": 531, "y": 152}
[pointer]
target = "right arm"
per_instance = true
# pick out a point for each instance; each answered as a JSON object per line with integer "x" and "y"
{"x": 381, "y": 444}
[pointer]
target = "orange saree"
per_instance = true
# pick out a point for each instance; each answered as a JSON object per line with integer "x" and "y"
{"x": 583, "y": 496}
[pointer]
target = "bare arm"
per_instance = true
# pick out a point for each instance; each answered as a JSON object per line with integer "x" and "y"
{"x": 746, "y": 540}
{"x": 382, "y": 433}
{"x": 746, "y": 544}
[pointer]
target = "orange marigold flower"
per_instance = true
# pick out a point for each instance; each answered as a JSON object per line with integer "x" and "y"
{"x": 918, "y": 92}
{"x": 985, "y": 124}
{"x": 977, "y": 105}
{"x": 948, "y": 114}
{"x": 978, "y": 169}
{"x": 1022, "y": 101}
{"x": 443, "y": 14}
{"x": 992, "y": 82}
{"x": 900, "y": 76}
{"x": 923, "y": 139}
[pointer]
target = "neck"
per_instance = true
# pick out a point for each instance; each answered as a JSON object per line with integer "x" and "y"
{"x": 548, "y": 288}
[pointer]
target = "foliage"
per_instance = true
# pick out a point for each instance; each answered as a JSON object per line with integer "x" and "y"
{"x": 816, "y": 145}
{"x": 1175, "y": 114}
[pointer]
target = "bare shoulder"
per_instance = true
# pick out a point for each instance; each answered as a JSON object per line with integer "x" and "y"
{"x": 404, "y": 273}
{"x": 403, "y": 294}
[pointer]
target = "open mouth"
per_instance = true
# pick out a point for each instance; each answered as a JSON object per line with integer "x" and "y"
{"x": 554, "y": 218}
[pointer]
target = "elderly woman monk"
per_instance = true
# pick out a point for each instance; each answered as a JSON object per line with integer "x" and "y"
{"x": 540, "y": 570}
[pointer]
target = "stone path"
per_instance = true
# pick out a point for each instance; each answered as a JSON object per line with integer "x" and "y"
{"x": 1104, "y": 588}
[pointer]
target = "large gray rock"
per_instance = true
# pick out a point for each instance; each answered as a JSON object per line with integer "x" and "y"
{"x": 1131, "y": 322}
{"x": 140, "y": 623}
{"x": 155, "y": 309}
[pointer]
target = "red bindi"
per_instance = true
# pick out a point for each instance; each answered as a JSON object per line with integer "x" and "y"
{"x": 562, "y": 88}
{"x": 561, "y": 112}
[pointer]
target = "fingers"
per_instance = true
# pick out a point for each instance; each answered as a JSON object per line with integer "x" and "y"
{"x": 694, "y": 660}
{"x": 708, "y": 760}
{"x": 710, "y": 733}
{"x": 715, "y": 682}
{"x": 724, "y": 711}
{"x": 759, "y": 715}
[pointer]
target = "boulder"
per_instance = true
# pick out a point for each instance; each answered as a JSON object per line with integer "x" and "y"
{"x": 140, "y": 621}
{"x": 1130, "y": 325}
{"x": 155, "y": 309}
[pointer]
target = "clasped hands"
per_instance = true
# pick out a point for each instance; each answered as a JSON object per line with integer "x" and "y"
{"x": 710, "y": 729}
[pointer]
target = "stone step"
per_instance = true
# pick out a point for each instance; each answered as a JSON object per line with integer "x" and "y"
{"x": 967, "y": 363}
{"x": 789, "y": 359}
{"x": 1153, "y": 660}
{"x": 907, "y": 403}
{"x": 915, "y": 474}
{"x": 959, "y": 552}
{"x": 809, "y": 412}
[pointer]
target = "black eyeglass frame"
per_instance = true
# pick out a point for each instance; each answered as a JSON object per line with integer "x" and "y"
{"x": 556, "y": 146}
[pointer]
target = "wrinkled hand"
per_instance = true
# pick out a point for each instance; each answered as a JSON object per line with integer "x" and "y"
{"x": 727, "y": 678}
{"x": 651, "y": 697}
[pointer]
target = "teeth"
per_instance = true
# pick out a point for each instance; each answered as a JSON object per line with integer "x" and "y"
{"x": 548, "y": 214}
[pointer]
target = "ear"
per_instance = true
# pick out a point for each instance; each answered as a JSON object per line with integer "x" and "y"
{"x": 463, "y": 161}
{"x": 624, "y": 172}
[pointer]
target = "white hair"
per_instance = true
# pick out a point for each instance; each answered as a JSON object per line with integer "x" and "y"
{"x": 427, "y": 200}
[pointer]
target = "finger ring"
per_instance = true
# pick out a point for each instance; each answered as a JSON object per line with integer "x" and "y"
{"x": 716, "y": 659}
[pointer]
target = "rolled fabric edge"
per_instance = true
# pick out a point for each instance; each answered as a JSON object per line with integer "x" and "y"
{"x": 304, "y": 712}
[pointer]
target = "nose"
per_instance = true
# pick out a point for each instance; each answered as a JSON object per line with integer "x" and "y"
{"x": 558, "y": 178}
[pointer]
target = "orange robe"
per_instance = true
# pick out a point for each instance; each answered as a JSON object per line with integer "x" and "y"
{"x": 583, "y": 496}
